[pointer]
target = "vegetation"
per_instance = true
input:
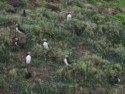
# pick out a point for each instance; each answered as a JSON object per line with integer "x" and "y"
{"x": 94, "y": 41}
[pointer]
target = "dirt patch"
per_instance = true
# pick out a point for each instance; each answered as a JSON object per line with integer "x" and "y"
{"x": 97, "y": 6}
{"x": 36, "y": 3}
{"x": 42, "y": 69}
{"x": 21, "y": 55}
{"x": 53, "y": 1}
{"x": 109, "y": 11}
{"x": 29, "y": 5}
{"x": 83, "y": 52}
{"x": 6, "y": 92}
{"x": 84, "y": 1}
{"x": 122, "y": 9}
{"x": 109, "y": 0}
{"x": 1, "y": 9}
{"x": 52, "y": 7}
{"x": 89, "y": 5}
{"x": 15, "y": 3}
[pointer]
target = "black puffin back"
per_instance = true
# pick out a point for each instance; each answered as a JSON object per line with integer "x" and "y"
{"x": 24, "y": 13}
{"x": 68, "y": 60}
{"x": 19, "y": 44}
{"x": 115, "y": 80}
{"x": 20, "y": 29}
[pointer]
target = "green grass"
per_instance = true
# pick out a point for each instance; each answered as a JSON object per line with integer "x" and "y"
{"x": 110, "y": 4}
{"x": 5, "y": 5}
{"x": 94, "y": 41}
{"x": 114, "y": 4}
{"x": 119, "y": 17}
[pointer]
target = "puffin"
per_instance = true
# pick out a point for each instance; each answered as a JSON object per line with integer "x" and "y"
{"x": 116, "y": 80}
{"x": 18, "y": 43}
{"x": 28, "y": 58}
{"x": 24, "y": 13}
{"x": 69, "y": 16}
{"x": 19, "y": 29}
{"x": 45, "y": 44}
{"x": 67, "y": 60}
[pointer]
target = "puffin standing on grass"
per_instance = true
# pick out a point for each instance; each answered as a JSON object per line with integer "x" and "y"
{"x": 28, "y": 58}
{"x": 45, "y": 44}
{"x": 18, "y": 43}
{"x": 24, "y": 13}
{"x": 19, "y": 29}
{"x": 69, "y": 16}
{"x": 116, "y": 80}
{"x": 67, "y": 60}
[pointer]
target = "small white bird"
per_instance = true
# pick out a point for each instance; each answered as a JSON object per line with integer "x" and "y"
{"x": 45, "y": 44}
{"x": 67, "y": 60}
{"x": 28, "y": 58}
{"x": 69, "y": 16}
{"x": 19, "y": 29}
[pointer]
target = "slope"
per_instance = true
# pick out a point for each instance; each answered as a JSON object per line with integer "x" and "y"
{"x": 94, "y": 41}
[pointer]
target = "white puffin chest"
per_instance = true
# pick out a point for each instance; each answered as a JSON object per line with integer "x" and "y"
{"x": 69, "y": 17}
{"x": 17, "y": 29}
{"x": 28, "y": 59}
{"x": 45, "y": 45}
{"x": 66, "y": 61}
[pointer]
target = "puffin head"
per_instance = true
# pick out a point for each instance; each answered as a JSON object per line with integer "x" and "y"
{"x": 66, "y": 56}
{"x": 69, "y": 12}
{"x": 17, "y": 24}
{"x": 16, "y": 39}
{"x": 45, "y": 40}
{"x": 116, "y": 76}
{"x": 28, "y": 53}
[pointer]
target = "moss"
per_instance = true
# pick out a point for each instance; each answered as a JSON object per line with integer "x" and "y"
{"x": 119, "y": 17}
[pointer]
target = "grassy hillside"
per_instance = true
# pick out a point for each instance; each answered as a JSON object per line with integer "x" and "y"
{"x": 93, "y": 39}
